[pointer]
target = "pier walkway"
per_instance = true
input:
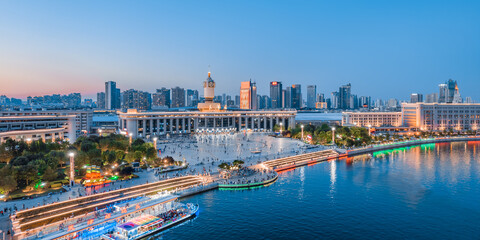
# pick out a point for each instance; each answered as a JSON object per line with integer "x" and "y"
{"x": 281, "y": 164}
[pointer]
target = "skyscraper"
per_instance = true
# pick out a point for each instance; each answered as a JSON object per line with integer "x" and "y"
{"x": 442, "y": 96}
{"x": 161, "y": 98}
{"x": 134, "y": 99}
{"x": 335, "y": 104}
{"x": 416, "y": 97}
{"x": 248, "y": 95}
{"x": 296, "y": 96}
{"x": 451, "y": 89}
{"x": 311, "y": 96}
{"x": 178, "y": 97}
{"x": 344, "y": 93}
{"x": 431, "y": 98}
{"x": 276, "y": 94}
{"x": 192, "y": 97}
{"x": 112, "y": 95}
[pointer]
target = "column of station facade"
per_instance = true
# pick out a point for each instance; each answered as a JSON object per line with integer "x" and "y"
{"x": 144, "y": 125}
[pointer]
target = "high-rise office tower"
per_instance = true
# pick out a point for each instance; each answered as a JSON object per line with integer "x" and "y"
{"x": 288, "y": 97}
{"x": 451, "y": 89}
{"x": 161, "y": 98}
{"x": 192, "y": 97}
{"x": 296, "y": 96}
{"x": 344, "y": 93}
{"x": 101, "y": 100}
{"x": 335, "y": 100}
{"x": 112, "y": 95}
{"x": 416, "y": 97}
{"x": 320, "y": 97}
{"x": 248, "y": 95}
{"x": 442, "y": 95}
{"x": 134, "y": 99}
{"x": 311, "y": 96}
{"x": 365, "y": 102}
{"x": 431, "y": 98}
{"x": 178, "y": 97}
{"x": 276, "y": 94}
{"x": 237, "y": 100}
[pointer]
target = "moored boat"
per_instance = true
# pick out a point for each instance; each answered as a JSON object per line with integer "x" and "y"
{"x": 147, "y": 225}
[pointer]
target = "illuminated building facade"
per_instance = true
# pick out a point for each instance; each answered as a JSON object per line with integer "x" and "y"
{"x": 38, "y": 127}
{"x": 422, "y": 117}
{"x": 248, "y": 95}
{"x": 372, "y": 119}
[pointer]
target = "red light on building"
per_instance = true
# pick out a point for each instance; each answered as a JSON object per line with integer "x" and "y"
{"x": 274, "y": 83}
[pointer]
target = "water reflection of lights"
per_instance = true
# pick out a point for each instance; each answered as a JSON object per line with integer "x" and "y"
{"x": 333, "y": 176}
{"x": 302, "y": 180}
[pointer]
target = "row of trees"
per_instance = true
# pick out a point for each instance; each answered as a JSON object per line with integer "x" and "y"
{"x": 23, "y": 164}
{"x": 344, "y": 136}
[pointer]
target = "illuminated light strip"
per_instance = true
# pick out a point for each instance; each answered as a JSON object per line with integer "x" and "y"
{"x": 316, "y": 160}
{"x": 100, "y": 194}
{"x": 105, "y": 193}
{"x": 61, "y": 214}
{"x": 118, "y": 199}
{"x": 106, "y": 197}
{"x": 301, "y": 158}
{"x": 301, "y": 155}
{"x": 113, "y": 200}
{"x": 103, "y": 221}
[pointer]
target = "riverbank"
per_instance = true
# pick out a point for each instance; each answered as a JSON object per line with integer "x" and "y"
{"x": 371, "y": 149}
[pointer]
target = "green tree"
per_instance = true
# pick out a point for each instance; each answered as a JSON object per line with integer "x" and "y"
{"x": 7, "y": 180}
{"x": 49, "y": 174}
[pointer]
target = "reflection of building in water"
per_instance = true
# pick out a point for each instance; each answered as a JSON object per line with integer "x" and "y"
{"x": 210, "y": 118}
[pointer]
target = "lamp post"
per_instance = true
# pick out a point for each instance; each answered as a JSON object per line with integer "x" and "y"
{"x": 302, "y": 131}
{"x": 281, "y": 128}
{"x": 72, "y": 168}
{"x": 155, "y": 142}
{"x": 100, "y": 132}
{"x": 333, "y": 135}
{"x": 130, "y": 139}
{"x": 29, "y": 140}
{"x": 369, "y": 126}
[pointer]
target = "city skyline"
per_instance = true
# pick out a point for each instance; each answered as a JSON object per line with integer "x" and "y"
{"x": 370, "y": 45}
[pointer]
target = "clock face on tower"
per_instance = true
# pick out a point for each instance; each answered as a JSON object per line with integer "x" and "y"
{"x": 211, "y": 84}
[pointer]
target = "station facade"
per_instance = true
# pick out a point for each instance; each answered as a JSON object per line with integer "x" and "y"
{"x": 148, "y": 124}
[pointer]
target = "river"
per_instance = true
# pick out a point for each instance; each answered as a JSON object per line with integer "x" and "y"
{"x": 424, "y": 192}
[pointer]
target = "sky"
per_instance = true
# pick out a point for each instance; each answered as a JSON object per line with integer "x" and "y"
{"x": 385, "y": 49}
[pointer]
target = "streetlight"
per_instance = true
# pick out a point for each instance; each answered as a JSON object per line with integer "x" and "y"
{"x": 155, "y": 142}
{"x": 281, "y": 127}
{"x": 302, "y": 131}
{"x": 369, "y": 126}
{"x": 333, "y": 135}
{"x": 131, "y": 134}
{"x": 72, "y": 168}
{"x": 29, "y": 140}
{"x": 100, "y": 132}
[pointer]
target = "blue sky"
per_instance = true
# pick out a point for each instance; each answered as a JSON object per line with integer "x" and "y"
{"x": 384, "y": 48}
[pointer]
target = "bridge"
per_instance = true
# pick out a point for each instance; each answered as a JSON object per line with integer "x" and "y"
{"x": 282, "y": 164}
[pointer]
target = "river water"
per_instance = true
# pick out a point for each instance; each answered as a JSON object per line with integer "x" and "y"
{"x": 425, "y": 192}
